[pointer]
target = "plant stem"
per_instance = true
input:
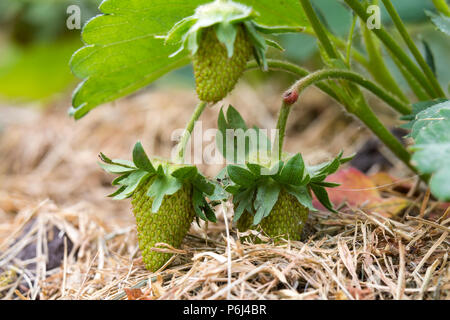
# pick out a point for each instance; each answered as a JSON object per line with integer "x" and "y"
{"x": 412, "y": 82}
{"x": 187, "y": 132}
{"x": 294, "y": 69}
{"x": 412, "y": 47}
{"x": 281, "y": 126}
{"x": 350, "y": 41}
{"x": 396, "y": 50}
{"x": 360, "y": 109}
{"x": 319, "y": 29}
{"x": 442, "y": 6}
{"x": 327, "y": 74}
{"x": 378, "y": 68}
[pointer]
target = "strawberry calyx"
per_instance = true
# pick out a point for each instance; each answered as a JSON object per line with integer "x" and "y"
{"x": 257, "y": 180}
{"x": 168, "y": 179}
{"x": 226, "y": 17}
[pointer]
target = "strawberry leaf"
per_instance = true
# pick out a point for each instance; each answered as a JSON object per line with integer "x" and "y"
{"x": 432, "y": 156}
{"x": 122, "y": 52}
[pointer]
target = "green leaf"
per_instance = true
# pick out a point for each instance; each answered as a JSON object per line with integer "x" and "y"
{"x": 235, "y": 120}
{"x": 266, "y": 197}
{"x": 203, "y": 184}
{"x": 185, "y": 173}
{"x": 241, "y": 176}
{"x": 219, "y": 193}
{"x": 163, "y": 185}
{"x": 292, "y": 172}
{"x": 113, "y": 168}
{"x": 322, "y": 196}
{"x": 439, "y": 184}
{"x": 201, "y": 207}
{"x": 132, "y": 182}
{"x": 141, "y": 160}
{"x": 435, "y": 113}
{"x": 429, "y": 57}
{"x": 119, "y": 162}
{"x": 244, "y": 201}
{"x": 440, "y": 21}
{"x": 122, "y": 54}
{"x": 432, "y": 155}
{"x": 255, "y": 168}
{"x": 302, "y": 195}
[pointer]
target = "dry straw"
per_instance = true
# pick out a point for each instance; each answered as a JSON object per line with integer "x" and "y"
{"x": 50, "y": 181}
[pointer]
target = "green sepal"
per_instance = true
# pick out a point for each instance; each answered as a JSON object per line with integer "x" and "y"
{"x": 141, "y": 160}
{"x": 292, "y": 172}
{"x": 162, "y": 186}
{"x": 322, "y": 196}
{"x": 132, "y": 181}
{"x": 244, "y": 201}
{"x": 266, "y": 196}
{"x": 241, "y": 176}
{"x": 185, "y": 173}
{"x": 274, "y": 44}
{"x": 201, "y": 207}
{"x": 302, "y": 195}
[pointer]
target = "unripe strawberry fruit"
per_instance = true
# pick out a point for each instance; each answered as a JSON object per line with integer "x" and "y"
{"x": 215, "y": 73}
{"x": 286, "y": 219}
{"x": 169, "y": 225}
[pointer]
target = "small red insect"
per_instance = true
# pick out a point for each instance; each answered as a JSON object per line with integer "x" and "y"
{"x": 290, "y": 96}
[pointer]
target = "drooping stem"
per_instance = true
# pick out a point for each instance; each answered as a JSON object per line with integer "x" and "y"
{"x": 360, "y": 109}
{"x": 328, "y": 74}
{"x": 412, "y": 47}
{"x": 392, "y": 46}
{"x": 294, "y": 69}
{"x": 188, "y": 131}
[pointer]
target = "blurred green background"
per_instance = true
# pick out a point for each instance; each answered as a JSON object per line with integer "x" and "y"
{"x": 35, "y": 45}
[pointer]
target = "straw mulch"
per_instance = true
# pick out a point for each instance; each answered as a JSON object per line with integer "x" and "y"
{"x": 61, "y": 238}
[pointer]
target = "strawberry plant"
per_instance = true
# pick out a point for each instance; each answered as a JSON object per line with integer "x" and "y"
{"x": 135, "y": 42}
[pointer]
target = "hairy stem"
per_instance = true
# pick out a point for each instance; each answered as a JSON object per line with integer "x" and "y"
{"x": 188, "y": 131}
{"x": 319, "y": 30}
{"x": 327, "y": 74}
{"x": 360, "y": 109}
{"x": 412, "y": 47}
{"x": 350, "y": 41}
{"x": 294, "y": 69}
{"x": 392, "y": 46}
{"x": 378, "y": 68}
{"x": 281, "y": 126}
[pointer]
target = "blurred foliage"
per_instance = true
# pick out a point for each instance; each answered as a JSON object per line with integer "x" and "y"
{"x": 36, "y": 46}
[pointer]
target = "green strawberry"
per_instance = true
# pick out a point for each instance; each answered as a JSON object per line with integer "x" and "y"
{"x": 166, "y": 197}
{"x": 221, "y": 37}
{"x": 287, "y": 218}
{"x": 169, "y": 225}
{"x": 215, "y": 73}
